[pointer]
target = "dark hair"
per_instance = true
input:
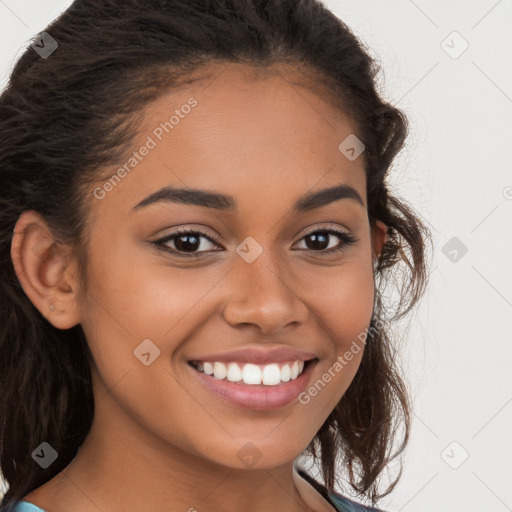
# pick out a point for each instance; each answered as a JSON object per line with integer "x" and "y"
{"x": 65, "y": 118}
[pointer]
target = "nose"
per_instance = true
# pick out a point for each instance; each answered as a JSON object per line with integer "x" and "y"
{"x": 261, "y": 294}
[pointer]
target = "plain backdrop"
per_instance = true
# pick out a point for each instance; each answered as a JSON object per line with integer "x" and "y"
{"x": 448, "y": 65}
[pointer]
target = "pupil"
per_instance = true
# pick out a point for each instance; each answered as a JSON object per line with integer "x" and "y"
{"x": 184, "y": 246}
{"x": 318, "y": 241}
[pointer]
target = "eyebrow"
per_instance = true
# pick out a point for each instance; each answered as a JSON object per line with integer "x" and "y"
{"x": 206, "y": 199}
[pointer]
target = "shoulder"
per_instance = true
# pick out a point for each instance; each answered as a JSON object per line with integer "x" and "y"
{"x": 340, "y": 502}
{"x": 344, "y": 504}
{"x": 26, "y": 506}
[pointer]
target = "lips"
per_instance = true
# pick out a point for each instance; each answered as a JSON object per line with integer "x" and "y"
{"x": 255, "y": 378}
{"x": 256, "y": 396}
{"x": 258, "y": 356}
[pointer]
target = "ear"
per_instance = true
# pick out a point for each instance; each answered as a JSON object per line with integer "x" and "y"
{"x": 379, "y": 237}
{"x": 45, "y": 271}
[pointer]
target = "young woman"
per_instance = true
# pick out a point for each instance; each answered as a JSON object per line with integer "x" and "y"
{"x": 195, "y": 237}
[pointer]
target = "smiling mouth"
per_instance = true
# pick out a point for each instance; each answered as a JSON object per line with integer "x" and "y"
{"x": 249, "y": 374}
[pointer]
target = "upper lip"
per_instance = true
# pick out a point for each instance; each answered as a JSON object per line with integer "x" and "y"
{"x": 259, "y": 356}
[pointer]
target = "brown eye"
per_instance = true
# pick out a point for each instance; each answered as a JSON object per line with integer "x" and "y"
{"x": 322, "y": 240}
{"x": 187, "y": 243}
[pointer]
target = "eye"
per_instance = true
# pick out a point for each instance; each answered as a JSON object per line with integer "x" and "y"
{"x": 192, "y": 243}
{"x": 319, "y": 240}
{"x": 186, "y": 242}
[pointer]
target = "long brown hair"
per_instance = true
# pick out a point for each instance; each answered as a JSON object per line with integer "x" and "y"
{"x": 66, "y": 117}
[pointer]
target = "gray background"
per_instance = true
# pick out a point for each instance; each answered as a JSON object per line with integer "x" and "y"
{"x": 457, "y": 172}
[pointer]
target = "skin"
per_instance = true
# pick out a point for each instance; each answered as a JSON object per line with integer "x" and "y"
{"x": 159, "y": 437}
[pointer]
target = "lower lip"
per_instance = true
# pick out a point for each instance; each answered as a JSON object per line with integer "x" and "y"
{"x": 259, "y": 397}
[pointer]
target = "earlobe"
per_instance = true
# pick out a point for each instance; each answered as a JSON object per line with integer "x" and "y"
{"x": 42, "y": 267}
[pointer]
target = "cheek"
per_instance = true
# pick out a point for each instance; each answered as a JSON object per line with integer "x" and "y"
{"x": 140, "y": 297}
{"x": 343, "y": 307}
{"x": 126, "y": 307}
{"x": 130, "y": 300}
{"x": 343, "y": 301}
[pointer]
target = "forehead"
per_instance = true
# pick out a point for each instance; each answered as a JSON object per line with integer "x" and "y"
{"x": 243, "y": 131}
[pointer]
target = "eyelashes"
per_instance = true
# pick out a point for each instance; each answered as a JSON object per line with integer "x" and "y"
{"x": 187, "y": 239}
{"x": 184, "y": 233}
{"x": 347, "y": 239}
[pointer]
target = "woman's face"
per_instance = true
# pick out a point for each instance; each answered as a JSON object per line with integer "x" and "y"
{"x": 263, "y": 280}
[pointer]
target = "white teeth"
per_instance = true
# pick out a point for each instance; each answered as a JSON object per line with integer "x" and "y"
{"x": 219, "y": 370}
{"x": 294, "y": 370}
{"x": 285, "y": 373}
{"x": 234, "y": 372}
{"x": 208, "y": 368}
{"x": 252, "y": 374}
{"x": 271, "y": 375}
